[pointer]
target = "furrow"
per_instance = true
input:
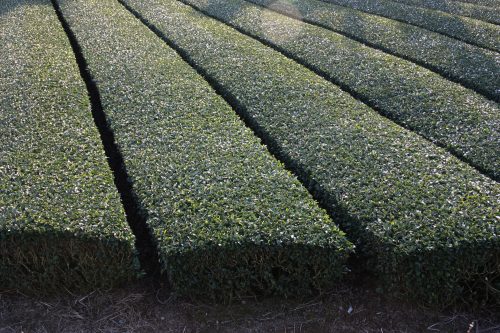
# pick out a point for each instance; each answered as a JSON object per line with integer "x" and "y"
{"x": 136, "y": 220}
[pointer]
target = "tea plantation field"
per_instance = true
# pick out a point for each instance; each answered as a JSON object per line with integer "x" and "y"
{"x": 251, "y": 147}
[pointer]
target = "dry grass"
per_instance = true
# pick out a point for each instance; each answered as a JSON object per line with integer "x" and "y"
{"x": 149, "y": 307}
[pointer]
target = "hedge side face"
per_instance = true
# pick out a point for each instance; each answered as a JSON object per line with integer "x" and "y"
{"x": 470, "y": 65}
{"x": 443, "y": 112}
{"x": 466, "y": 29}
{"x": 62, "y": 225}
{"x": 414, "y": 208}
{"x": 459, "y": 8}
{"x": 227, "y": 219}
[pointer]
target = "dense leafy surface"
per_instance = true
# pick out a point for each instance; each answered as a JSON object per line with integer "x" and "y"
{"x": 444, "y": 112}
{"x": 463, "y": 28}
{"x": 416, "y": 208}
{"x": 62, "y": 225}
{"x": 488, "y": 3}
{"x": 454, "y": 7}
{"x": 470, "y": 65}
{"x": 226, "y": 216}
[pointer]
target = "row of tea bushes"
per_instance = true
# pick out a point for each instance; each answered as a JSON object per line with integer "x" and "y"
{"x": 227, "y": 218}
{"x": 486, "y": 3}
{"x": 62, "y": 226}
{"x": 472, "y": 66}
{"x": 444, "y": 112}
{"x": 466, "y": 29}
{"x": 428, "y": 222}
{"x": 459, "y": 8}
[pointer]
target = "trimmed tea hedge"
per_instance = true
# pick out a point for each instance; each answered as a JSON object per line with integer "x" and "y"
{"x": 227, "y": 219}
{"x": 486, "y": 3}
{"x": 459, "y": 8}
{"x": 472, "y": 66}
{"x": 62, "y": 226}
{"x": 442, "y": 111}
{"x": 429, "y": 222}
{"x": 469, "y": 30}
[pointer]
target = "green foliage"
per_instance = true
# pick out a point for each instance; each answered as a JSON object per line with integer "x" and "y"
{"x": 62, "y": 226}
{"x": 398, "y": 195}
{"x": 459, "y": 8}
{"x": 444, "y": 112}
{"x": 477, "y": 68}
{"x": 55, "y": 261}
{"x": 486, "y": 3}
{"x": 285, "y": 267}
{"x": 469, "y": 30}
{"x": 227, "y": 218}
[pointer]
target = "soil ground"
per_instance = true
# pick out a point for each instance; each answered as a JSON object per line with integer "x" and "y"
{"x": 150, "y": 307}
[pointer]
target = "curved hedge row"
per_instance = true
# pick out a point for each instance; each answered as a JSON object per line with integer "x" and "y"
{"x": 459, "y": 8}
{"x": 472, "y": 66}
{"x": 414, "y": 207}
{"x": 444, "y": 112}
{"x": 227, "y": 218}
{"x": 469, "y": 30}
{"x": 62, "y": 226}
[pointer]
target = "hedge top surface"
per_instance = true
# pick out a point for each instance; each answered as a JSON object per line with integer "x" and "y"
{"x": 487, "y": 3}
{"x": 53, "y": 172}
{"x": 459, "y": 8}
{"x": 384, "y": 175}
{"x": 469, "y": 30}
{"x": 470, "y": 65}
{"x": 387, "y": 186}
{"x": 444, "y": 112}
{"x": 201, "y": 176}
